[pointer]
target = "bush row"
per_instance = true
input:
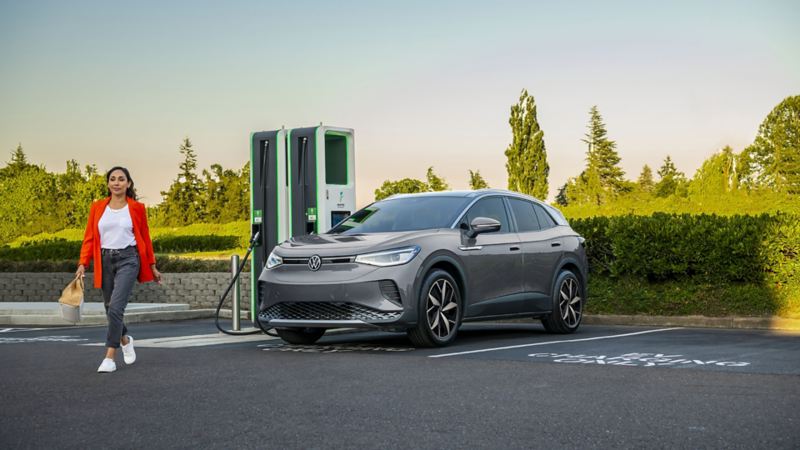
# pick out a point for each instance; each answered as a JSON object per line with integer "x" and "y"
{"x": 55, "y": 249}
{"x": 166, "y": 264}
{"x": 713, "y": 248}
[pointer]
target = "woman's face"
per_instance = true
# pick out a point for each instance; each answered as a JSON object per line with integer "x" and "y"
{"x": 118, "y": 183}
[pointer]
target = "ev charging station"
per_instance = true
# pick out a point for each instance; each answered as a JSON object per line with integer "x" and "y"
{"x": 302, "y": 181}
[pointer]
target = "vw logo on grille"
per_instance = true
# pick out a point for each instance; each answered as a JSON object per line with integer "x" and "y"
{"x": 314, "y": 263}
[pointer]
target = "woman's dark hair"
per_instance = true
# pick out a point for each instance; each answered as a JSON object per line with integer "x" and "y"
{"x": 130, "y": 192}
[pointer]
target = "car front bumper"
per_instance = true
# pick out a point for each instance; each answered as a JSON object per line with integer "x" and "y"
{"x": 349, "y": 295}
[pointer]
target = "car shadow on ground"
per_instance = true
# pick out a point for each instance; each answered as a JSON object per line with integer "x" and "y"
{"x": 468, "y": 334}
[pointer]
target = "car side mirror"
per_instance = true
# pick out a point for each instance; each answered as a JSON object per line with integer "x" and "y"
{"x": 481, "y": 225}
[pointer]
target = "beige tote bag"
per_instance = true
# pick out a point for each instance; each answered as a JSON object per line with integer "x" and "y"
{"x": 71, "y": 300}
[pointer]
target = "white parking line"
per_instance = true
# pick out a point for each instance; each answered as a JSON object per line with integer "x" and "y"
{"x": 552, "y": 342}
{"x": 198, "y": 340}
{"x": 15, "y": 330}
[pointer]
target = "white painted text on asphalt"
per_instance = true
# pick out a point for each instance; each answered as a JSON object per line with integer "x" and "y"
{"x": 636, "y": 360}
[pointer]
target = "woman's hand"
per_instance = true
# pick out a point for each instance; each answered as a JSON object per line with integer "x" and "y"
{"x": 80, "y": 272}
{"x": 156, "y": 274}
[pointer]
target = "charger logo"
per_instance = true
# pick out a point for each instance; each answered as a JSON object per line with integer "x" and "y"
{"x": 314, "y": 263}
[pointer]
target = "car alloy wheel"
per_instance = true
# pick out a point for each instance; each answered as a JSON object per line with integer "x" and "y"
{"x": 438, "y": 311}
{"x": 570, "y": 302}
{"x": 442, "y": 309}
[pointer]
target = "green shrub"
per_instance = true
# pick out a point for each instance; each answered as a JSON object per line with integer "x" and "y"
{"x": 54, "y": 249}
{"x": 710, "y": 248}
{"x": 50, "y": 249}
{"x": 189, "y": 243}
{"x": 166, "y": 264}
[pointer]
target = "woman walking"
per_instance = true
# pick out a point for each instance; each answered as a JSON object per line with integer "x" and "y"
{"x": 118, "y": 240}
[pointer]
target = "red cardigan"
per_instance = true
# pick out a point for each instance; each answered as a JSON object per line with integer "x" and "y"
{"x": 91, "y": 240}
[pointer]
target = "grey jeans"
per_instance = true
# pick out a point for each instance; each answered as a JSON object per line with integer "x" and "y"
{"x": 120, "y": 270}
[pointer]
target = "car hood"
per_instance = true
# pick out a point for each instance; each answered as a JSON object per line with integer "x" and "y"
{"x": 345, "y": 245}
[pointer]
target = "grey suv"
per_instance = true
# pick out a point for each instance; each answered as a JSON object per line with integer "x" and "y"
{"x": 425, "y": 263}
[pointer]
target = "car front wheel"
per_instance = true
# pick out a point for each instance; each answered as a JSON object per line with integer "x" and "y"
{"x": 439, "y": 311}
{"x": 568, "y": 300}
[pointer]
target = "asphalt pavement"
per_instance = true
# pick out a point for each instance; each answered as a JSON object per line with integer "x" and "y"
{"x": 498, "y": 386}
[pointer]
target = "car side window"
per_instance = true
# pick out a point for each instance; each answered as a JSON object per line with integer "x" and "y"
{"x": 545, "y": 221}
{"x": 524, "y": 214}
{"x": 492, "y": 208}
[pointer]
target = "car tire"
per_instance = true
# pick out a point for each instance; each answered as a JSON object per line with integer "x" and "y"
{"x": 568, "y": 301}
{"x": 439, "y": 311}
{"x": 300, "y": 336}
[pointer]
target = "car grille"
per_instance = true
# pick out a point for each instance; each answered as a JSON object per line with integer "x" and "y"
{"x": 325, "y": 311}
{"x": 326, "y": 260}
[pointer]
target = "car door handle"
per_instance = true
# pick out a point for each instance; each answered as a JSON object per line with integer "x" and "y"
{"x": 555, "y": 244}
{"x": 514, "y": 249}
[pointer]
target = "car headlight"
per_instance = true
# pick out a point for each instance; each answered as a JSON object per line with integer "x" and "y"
{"x": 274, "y": 260}
{"x": 386, "y": 258}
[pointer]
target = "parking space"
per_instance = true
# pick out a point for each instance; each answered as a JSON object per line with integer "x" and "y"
{"x": 508, "y": 384}
{"x": 746, "y": 351}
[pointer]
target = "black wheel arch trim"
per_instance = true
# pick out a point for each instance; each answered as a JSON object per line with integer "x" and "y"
{"x": 435, "y": 258}
{"x": 583, "y": 276}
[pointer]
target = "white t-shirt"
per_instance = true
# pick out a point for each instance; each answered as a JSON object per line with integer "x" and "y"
{"x": 116, "y": 228}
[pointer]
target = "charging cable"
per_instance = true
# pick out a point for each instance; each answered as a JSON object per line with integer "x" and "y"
{"x": 253, "y": 241}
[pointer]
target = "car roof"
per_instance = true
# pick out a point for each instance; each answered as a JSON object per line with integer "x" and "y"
{"x": 559, "y": 217}
{"x": 466, "y": 194}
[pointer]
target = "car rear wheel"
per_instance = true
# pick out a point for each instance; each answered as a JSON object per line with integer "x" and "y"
{"x": 439, "y": 311}
{"x": 300, "y": 336}
{"x": 568, "y": 300}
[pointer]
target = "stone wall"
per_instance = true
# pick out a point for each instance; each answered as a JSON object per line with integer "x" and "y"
{"x": 199, "y": 290}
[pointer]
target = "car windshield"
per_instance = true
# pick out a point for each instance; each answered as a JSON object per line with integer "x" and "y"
{"x": 403, "y": 214}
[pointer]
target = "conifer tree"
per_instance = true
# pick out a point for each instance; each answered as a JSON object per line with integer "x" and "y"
{"x": 672, "y": 181}
{"x": 602, "y": 155}
{"x": 18, "y": 163}
{"x": 181, "y": 204}
{"x": 526, "y": 155}
{"x": 645, "y": 180}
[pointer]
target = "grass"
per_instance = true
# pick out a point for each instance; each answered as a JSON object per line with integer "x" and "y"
{"x": 687, "y": 297}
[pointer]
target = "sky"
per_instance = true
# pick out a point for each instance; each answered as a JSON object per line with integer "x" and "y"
{"x": 422, "y": 83}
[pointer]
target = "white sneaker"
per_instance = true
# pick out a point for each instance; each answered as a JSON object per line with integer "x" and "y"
{"x": 128, "y": 354}
{"x": 107, "y": 366}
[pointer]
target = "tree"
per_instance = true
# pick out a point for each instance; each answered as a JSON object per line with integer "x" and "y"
{"x": 223, "y": 200}
{"x": 602, "y": 155}
{"x": 645, "y": 181}
{"x": 476, "y": 181}
{"x": 29, "y": 204}
{"x": 18, "y": 163}
{"x": 561, "y": 197}
{"x": 75, "y": 192}
{"x": 404, "y": 186}
{"x": 526, "y": 157}
{"x": 436, "y": 183}
{"x": 775, "y": 153}
{"x": 717, "y": 175}
{"x": 672, "y": 181}
{"x": 182, "y": 202}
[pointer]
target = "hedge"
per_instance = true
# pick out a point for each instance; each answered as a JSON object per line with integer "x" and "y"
{"x": 166, "y": 264}
{"x": 54, "y": 249}
{"x": 709, "y": 248}
{"x": 660, "y": 247}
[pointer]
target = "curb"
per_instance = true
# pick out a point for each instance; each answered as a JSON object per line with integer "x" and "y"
{"x": 755, "y": 323}
{"x": 94, "y": 320}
